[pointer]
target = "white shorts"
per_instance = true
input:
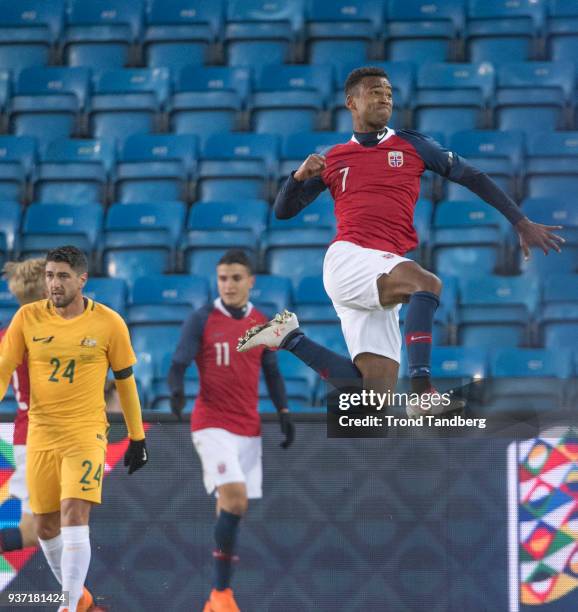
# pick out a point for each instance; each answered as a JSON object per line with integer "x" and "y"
{"x": 17, "y": 483}
{"x": 227, "y": 457}
{"x": 350, "y": 274}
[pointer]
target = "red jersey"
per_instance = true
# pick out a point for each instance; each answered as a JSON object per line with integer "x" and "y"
{"x": 375, "y": 190}
{"x": 229, "y": 381}
{"x": 21, "y": 385}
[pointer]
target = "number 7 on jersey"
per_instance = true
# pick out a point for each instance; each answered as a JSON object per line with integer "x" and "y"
{"x": 345, "y": 172}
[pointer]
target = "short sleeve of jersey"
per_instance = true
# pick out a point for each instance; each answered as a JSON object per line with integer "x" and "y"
{"x": 13, "y": 346}
{"x": 120, "y": 351}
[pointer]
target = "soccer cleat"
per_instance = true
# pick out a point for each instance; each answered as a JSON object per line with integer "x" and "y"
{"x": 425, "y": 407}
{"x": 270, "y": 334}
{"x": 86, "y": 602}
{"x": 221, "y": 601}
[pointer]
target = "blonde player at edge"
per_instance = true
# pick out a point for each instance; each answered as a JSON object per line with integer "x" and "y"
{"x": 26, "y": 282}
{"x": 70, "y": 342}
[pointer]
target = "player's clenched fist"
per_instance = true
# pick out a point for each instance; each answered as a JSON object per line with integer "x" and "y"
{"x": 312, "y": 166}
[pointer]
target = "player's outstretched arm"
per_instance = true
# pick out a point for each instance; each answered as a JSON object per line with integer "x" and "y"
{"x": 300, "y": 188}
{"x": 136, "y": 456}
{"x": 537, "y": 235}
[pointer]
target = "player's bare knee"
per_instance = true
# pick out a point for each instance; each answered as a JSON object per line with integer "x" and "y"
{"x": 46, "y": 528}
{"x": 236, "y": 505}
{"x": 429, "y": 282}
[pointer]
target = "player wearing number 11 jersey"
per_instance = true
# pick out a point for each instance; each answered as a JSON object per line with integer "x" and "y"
{"x": 226, "y": 428}
{"x": 69, "y": 342}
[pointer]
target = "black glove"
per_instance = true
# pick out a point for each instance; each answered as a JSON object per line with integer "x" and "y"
{"x": 178, "y": 402}
{"x": 287, "y": 429}
{"x": 136, "y": 455}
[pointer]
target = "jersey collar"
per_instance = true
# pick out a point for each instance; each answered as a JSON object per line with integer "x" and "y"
{"x": 218, "y": 304}
{"x": 379, "y": 137}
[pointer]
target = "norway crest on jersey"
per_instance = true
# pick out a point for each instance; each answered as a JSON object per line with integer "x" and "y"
{"x": 395, "y": 159}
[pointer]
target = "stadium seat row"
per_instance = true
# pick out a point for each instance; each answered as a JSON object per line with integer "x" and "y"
{"x": 459, "y": 237}
{"x": 55, "y": 102}
{"x": 475, "y": 311}
{"x": 246, "y": 32}
{"x": 157, "y": 167}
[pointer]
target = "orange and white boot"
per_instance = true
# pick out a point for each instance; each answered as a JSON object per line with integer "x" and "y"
{"x": 221, "y": 601}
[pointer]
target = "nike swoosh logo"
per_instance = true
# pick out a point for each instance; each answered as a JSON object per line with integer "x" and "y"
{"x": 144, "y": 456}
{"x": 380, "y": 136}
{"x": 44, "y": 340}
{"x": 89, "y": 488}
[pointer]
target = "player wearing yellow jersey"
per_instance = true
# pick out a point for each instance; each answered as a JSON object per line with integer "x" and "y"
{"x": 70, "y": 342}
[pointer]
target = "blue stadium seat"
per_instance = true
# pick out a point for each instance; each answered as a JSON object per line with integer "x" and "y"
{"x": 422, "y": 221}
{"x": 558, "y": 317}
{"x": 140, "y": 239}
{"x": 299, "y": 378}
{"x": 562, "y": 30}
{"x": 48, "y": 102}
{"x": 73, "y": 171}
{"x": 312, "y": 304}
{"x": 498, "y": 154}
{"x": 495, "y": 311}
{"x": 552, "y": 211}
{"x": 327, "y": 334}
{"x": 503, "y": 31}
{"x": 179, "y": 32}
{"x": 312, "y": 228}
{"x": 213, "y": 226}
{"x": 528, "y": 379}
{"x": 8, "y": 304}
{"x": 155, "y": 340}
{"x": 127, "y": 102}
{"x": 29, "y": 31}
{"x": 46, "y": 226}
{"x": 208, "y": 99}
{"x": 531, "y": 94}
{"x": 101, "y": 33}
{"x": 296, "y": 148}
{"x": 271, "y": 294}
{"x": 259, "y": 32}
{"x": 289, "y": 98}
{"x": 17, "y": 158}
{"x": 10, "y": 224}
{"x": 342, "y": 31}
{"x": 454, "y": 366}
{"x": 469, "y": 238}
{"x": 452, "y": 97}
{"x": 155, "y": 167}
{"x": 551, "y": 164}
{"x": 166, "y": 298}
{"x": 237, "y": 166}
{"x": 144, "y": 374}
{"x": 111, "y": 292}
{"x": 296, "y": 263}
{"x": 246, "y": 216}
{"x": 422, "y": 31}
{"x": 160, "y": 393}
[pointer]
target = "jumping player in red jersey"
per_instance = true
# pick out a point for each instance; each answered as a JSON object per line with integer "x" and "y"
{"x": 26, "y": 282}
{"x": 375, "y": 181}
{"x": 225, "y": 424}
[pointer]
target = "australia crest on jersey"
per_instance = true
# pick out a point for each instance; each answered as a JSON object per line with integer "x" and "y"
{"x": 395, "y": 159}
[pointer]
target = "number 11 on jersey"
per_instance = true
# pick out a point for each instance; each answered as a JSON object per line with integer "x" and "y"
{"x": 223, "y": 355}
{"x": 345, "y": 172}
